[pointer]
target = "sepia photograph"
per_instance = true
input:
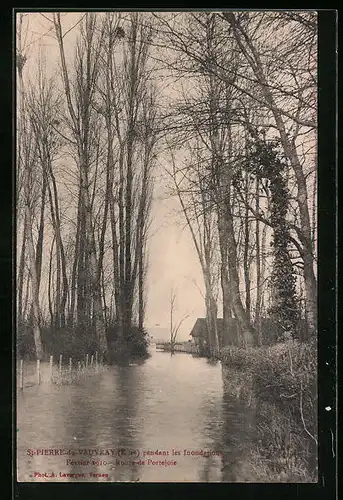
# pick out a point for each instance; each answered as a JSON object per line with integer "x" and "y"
{"x": 166, "y": 246}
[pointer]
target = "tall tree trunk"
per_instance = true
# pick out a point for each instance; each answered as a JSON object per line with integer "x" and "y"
{"x": 224, "y": 278}
{"x": 34, "y": 285}
{"x": 20, "y": 279}
{"x": 81, "y": 267}
{"x": 29, "y": 223}
{"x": 211, "y": 316}
{"x": 26, "y": 298}
{"x": 51, "y": 311}
{"x": 116, "y": 269}
{"x": 141, "y": 288}
{"x": 128, "y": 297}
{"x": 246, "y": 264}
{"x": 263, "y": 266}
{"x": 139, "y": 267}
{"x": 39, "y": 245}
{"x": 58, "y": 290}
{"x": 121, "y": 245}
{"x": 95, "y": 292}
{"x": 258, "y": 265}
{"x": 248, "y": 331}
{"x": 59, "y": 247}
{"x": 71, "y": 313}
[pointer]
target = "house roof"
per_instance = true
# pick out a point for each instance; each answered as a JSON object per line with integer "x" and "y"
{"x": 200, "y": 327}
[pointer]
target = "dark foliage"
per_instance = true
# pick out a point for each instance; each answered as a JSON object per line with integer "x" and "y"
{"x": 134, "y": 345}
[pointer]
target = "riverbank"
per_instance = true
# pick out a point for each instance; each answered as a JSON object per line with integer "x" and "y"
{"x": 280, "y": 384}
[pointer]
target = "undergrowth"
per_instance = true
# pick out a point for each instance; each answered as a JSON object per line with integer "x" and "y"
{"x": 280, "y": 383}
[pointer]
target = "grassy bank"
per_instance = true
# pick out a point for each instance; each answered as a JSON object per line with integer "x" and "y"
{"x": 280, "y": 384}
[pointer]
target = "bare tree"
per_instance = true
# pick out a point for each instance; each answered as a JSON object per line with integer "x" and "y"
{"x": 174, "y": 326}
{"x": 193, "y": 198}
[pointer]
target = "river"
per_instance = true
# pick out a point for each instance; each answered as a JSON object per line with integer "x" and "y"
{"x": 171, "y": 404}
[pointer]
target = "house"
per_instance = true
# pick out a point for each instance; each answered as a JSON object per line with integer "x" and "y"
{"x": 201, "y": 337}
{"x": 199, "y": 333}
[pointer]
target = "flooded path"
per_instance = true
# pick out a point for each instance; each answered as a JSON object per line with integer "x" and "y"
{"x": 166, "y": 403}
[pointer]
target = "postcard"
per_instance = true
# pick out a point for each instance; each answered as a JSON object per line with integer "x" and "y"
{"x": 166, "y": 233}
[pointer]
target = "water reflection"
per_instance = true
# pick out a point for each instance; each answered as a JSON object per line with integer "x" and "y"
{"x": 229, "y": 428}
{"x": 110, "y": 421}
{"x": 237, "y": 433}
{"x": 126, "y": 422}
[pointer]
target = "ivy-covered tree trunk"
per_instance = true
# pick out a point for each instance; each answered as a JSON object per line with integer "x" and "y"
{"x": 285, "y": 307}
{"x": 264, "y": 162}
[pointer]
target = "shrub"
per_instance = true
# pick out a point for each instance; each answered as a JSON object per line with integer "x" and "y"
{"x": 139, "y": 343}
{"x": 134, "y": 345}
{"x": 70, "y": 342}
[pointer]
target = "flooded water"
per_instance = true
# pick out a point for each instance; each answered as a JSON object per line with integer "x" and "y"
{"x": 127, "y": 423}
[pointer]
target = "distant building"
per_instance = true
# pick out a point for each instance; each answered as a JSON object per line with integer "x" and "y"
{"x": 201, "y": 337}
